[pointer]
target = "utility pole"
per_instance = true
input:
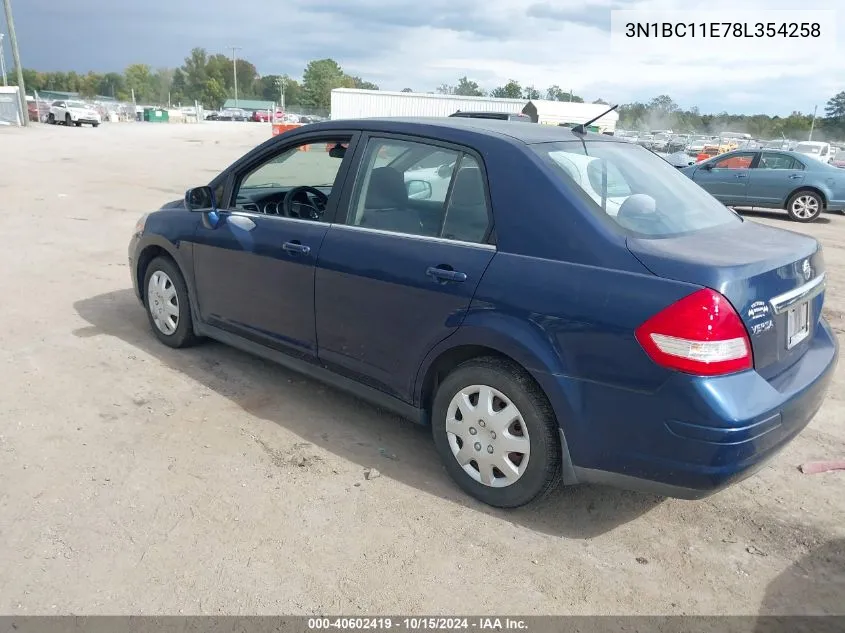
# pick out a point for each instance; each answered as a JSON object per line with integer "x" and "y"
{"x": 280, "y": 82}
{"x": 16, "y": 59}
{"x": 813, "y": 124}
{"x": 3, "y": 61}
{"x": 235, "y": 49}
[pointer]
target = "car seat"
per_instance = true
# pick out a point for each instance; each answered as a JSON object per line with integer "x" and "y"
{"x": 386, "y": 204}
{"x": 466, "y": 218}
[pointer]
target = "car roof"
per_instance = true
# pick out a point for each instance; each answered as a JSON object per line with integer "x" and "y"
{"x": 446, "y": 127}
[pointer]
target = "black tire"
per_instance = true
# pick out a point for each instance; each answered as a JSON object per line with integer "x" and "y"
{"x": 183, "y": 335}
{"x": 79, "y": 124}
{"x": 794, "y": 208}
{"x": 67, "y": 120}
{"x": 51, "y": 119}
{"x": 542, "y": 474}
{"x": 95, "y": 125}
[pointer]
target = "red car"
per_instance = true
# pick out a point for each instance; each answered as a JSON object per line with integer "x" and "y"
{"x": 263, "y": 116}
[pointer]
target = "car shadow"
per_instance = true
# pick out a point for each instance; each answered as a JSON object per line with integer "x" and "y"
{"x": 774, "y": 215}
{"x": 348, "y": 427}
{"x": 813, "y": 589}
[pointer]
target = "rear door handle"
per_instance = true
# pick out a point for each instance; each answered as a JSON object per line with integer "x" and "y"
{"x": 296, "y": 247}
{"x": 794, "y": 176}
{"x": 741, "y": 175}
{"x": 445, "y": 274}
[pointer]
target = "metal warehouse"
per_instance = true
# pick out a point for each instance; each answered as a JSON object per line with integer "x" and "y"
{"x": 350, "y": 103}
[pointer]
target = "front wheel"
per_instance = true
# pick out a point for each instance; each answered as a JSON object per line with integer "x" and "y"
{"x": 804, "y": 206}
{"x": 496, "y": 433}
{"x": 168, "y": 304}
{"x": 68, "y": 120}
{"x": 94, "y": 124}
{"x": 51, "y": 119}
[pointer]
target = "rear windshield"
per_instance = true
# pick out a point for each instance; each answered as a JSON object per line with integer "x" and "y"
{"x": 639, "y": 191}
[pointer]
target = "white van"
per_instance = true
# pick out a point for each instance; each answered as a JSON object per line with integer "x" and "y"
{"x": 816, "y": 149}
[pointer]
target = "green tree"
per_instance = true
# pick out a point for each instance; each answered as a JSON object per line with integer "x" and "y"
{"x": 213, "y": 94}
{"x": 360, "y": 84}
{"x": 139, "y": 77}
{"x": 468, "y": 88}
{"x": 113, "y": 85}
{"x": 196, "y": 73}
{"x": 555, "y": 93}
{"x": 321, "y": 76}
{"x": 89, "y": 85}
{"x": 178, "y": 87}
{"x": 532, "y": 93}
{"x": 835, "y": 107}
{"x": 511, "y": 90}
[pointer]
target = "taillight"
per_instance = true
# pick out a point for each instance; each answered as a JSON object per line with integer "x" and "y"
{"x": 701, "y": 334}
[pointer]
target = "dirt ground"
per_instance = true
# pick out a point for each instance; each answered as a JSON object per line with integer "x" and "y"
{"x": 139, "y": 479}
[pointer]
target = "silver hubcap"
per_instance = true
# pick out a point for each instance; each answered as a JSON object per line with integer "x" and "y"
{"x": 805, "y": 206}
{"x": 487, "y": 436}
{"x": 163, "y": 303}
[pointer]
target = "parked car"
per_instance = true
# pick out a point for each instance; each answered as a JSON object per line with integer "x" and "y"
{"x": 263, "y": 116}
{"x": 672, "y": 347}
{"x": 500, "y": 116}
{"x": 816, "y": 149}
{"x": 774, "y": 179}
{"x": 838, "y": 158}
{"x": 73, "y": 113}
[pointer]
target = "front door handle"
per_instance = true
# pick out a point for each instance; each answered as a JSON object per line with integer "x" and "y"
{"x": 443, "y": 274}
{"x": 295, "y": 246}
{"x": 741, "y": 175}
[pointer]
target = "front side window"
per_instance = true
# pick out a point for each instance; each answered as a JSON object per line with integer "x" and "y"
{"x": 638, "y": 190}
{"x": 420, "y": 189}
{"x": 297, "y": 182}
{"x": 735, "y": 161}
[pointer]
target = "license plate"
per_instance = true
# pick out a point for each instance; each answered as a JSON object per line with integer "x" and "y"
{"x": 797, "y": 324}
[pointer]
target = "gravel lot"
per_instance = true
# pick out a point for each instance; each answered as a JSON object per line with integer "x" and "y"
{"x": 139, "y": 479}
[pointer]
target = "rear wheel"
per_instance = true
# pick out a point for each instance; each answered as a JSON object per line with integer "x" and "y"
{"x": 51, "y": 119}
{"x": 67, "y": 120}
{"x": 168, "y": 304}
{"x": 496, "y": 433}
{"x": 804, "y": 206}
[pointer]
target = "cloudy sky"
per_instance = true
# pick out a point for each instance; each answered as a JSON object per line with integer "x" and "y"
{"x": 422, "y": 43}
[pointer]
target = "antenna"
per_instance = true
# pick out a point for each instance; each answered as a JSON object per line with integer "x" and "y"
{"x": 582, "y": 128}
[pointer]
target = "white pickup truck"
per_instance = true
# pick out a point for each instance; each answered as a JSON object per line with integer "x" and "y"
{"x": 73, "y": 113}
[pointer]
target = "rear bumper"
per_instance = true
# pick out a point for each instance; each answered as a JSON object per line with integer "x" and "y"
{"x": 694, "y": 436}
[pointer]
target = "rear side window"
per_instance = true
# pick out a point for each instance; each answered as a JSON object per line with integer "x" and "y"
{"x": 639, "y": 191}
{"x": 770, "y": 160}
{"x": 420, "y": 189}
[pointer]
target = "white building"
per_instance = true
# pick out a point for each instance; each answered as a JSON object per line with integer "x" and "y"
{"x": 350, "y": 103}
{"x": 10, "y": 106}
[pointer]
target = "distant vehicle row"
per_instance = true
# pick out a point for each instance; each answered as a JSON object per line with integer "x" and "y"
{"x": 239, "y": 114}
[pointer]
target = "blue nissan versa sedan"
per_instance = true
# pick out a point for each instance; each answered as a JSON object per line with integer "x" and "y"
{"x": 556, "y": 306}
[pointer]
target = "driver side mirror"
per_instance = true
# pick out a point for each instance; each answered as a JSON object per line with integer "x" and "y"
{"x": 200, "y": 199}
{"x": 707, "y": 166}
{"x": 418, "y": 189}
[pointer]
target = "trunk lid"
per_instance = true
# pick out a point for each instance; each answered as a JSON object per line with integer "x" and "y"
{"x": 768, "y": 274}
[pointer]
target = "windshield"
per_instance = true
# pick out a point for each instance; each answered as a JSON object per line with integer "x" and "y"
{"x": 806, "y": 148}
{"x": 639, "y": 191}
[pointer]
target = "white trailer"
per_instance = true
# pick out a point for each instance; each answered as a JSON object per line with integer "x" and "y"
{"x": 351, "y": 103}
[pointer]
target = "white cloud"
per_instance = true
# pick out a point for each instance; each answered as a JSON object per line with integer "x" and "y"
{"x": 544, "y": 52}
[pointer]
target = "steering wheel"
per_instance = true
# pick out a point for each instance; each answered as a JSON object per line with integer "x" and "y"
{"x": 312, "y": 209}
